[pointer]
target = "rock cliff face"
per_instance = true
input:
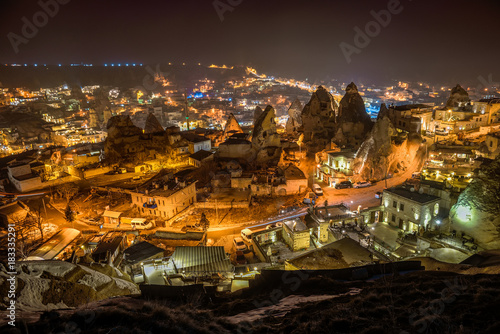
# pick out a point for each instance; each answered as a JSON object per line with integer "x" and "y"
{"x": 459, "y": 98}
{"x": 127, "y": 142}
{"x": 318, "y": 120}
{"x": 152, "y": 125}
{"x": 295, "y": 112}
{"x": 265, "y": 140}
{"x": 385, "y": 152}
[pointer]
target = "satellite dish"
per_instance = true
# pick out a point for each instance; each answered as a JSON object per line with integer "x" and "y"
{"x": 421, "y": 190}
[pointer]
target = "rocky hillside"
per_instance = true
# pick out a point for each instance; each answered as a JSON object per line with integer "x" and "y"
{"x": 47, "y": 285}
{"x": 418, "y": 302}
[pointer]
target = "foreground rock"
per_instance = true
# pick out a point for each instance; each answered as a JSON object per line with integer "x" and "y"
{"x": 48, "y": 285}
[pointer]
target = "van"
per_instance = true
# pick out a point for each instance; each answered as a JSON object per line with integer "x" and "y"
{"x": 246, "y": 234}
{"x": 140, "y": 224}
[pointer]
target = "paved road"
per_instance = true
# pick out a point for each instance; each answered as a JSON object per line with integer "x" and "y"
{"x": 360, "y": 196}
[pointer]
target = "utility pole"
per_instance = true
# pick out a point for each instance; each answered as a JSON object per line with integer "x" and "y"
{"x": 216, "y": 212}
{"x": 186, "y": 110}
{"x": 45, "y": 208}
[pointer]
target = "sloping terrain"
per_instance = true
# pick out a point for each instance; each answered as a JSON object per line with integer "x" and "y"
{"x": 47, "y": 285}
{"x": 418, "y": 302}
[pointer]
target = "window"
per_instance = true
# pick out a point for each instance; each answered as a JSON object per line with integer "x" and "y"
{"x": 393, "y": 218}
{"x": 394, "y": 204}
{"x": 401, "y": 207}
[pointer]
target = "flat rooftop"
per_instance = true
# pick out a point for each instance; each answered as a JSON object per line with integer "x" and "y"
{"x": 412, "y": 195}
{"x": 295, "y": 225}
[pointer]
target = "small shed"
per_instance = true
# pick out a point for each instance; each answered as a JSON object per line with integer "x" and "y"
{"x": 111, "y": 217}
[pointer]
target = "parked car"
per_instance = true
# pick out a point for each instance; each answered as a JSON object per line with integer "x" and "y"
{"x": 239, "y": 244}
{"x": 310, "y": 199}
{"x": 317, "y": 190}
{"x": 362, "y": 184}
{"x": 343, "y": 185}
{"x": 378, "y": 194}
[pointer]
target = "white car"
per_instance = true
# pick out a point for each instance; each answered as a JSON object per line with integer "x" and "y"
{"x": 317, "y": 190}
{"x": 362, "y": 184}
{"x": 239, "y": 244}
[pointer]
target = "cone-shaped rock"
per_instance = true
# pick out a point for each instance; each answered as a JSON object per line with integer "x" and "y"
{"x": 256, "y": 114}
{"x": 295, "y": 111}
{"x": 459, "y": 98}
{"x": 152, "y": 125}
{"x": 352, "y": 108}
{"x": 232, "y": 127}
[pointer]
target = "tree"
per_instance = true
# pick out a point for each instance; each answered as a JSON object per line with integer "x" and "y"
{"x": 69, "y": 214}
{"x": 204, "y": 222}
{"x": 483, "y": 193}
{"x": 24, "y": 231}
{"x": 35, "y": 216}
{"x": 67, "y": 190}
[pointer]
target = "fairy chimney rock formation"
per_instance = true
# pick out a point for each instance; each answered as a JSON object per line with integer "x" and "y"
{"x": 265, "y": 139}
{"x": 295, "y": 111}
{"x": 459, "y": 98}
{"x": 256, "y": 114}
{"x": 232, "y": 127}
{"x": 152, "y": 125}
{"x": 318, "y": 120}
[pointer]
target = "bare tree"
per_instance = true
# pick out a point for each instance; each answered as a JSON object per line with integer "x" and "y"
{"x": 35, "y": 215}
{"x": 67, "y": 190}
{"x": 24, "y": 234}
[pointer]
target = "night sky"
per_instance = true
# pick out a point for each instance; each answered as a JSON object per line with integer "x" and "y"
{"x": 438, "y": 41}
